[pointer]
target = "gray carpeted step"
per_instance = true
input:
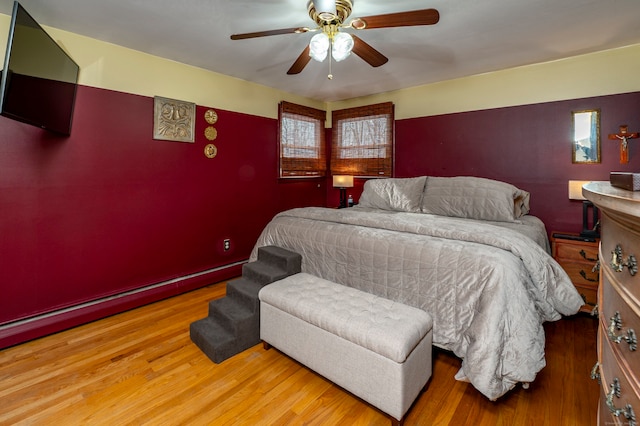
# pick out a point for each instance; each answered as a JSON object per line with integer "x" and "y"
{"x": 231, "y": 314}
{"x": 213, "y": 339}
{"x": 245, "y": 291}
{"x": 238, "y": 320}
{"x": 290, "y": 262}
{"x": 262, "y": 272}
{"x": 233, "y": 324}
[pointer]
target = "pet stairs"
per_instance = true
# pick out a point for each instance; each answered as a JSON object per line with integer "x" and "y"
{"x": 233, "y": 324}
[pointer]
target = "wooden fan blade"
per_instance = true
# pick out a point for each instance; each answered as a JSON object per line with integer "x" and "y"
{"x": 400, "y": 19}
{"x": 298, "y": 30}
{"x": 300, "y": 63}
{"x": 368, "y": 53}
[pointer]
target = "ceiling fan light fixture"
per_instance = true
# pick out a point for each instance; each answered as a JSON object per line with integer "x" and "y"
{"x": 326, "y": 9}
{"x": 342, "y": 46}
{"x": 319, "y": 47}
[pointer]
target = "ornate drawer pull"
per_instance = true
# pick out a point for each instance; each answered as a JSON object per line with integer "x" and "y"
{"x": 627, "y": 411}
{"x": 616, "y": 324}
{"x": 595, "y": 372}
{"x": 618, "y": 263}
{"x": 584, "y": 256}
{"x": 583, "y": 274}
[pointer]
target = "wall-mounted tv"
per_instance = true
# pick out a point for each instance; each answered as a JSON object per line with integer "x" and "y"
{"x": 39, "y": 79}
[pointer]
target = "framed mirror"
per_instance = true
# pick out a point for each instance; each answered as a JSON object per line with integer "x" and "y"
{"x": 586, "y": 136}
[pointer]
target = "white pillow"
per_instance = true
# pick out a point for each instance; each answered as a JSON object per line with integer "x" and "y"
{"x": 474, "y": 198}
{"x": 400, "y": 194}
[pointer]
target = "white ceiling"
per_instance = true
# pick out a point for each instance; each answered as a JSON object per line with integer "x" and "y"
{"x": 472, "y": 37}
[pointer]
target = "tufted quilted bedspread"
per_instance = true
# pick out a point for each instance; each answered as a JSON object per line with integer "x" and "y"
{"x": 488, "y": 286}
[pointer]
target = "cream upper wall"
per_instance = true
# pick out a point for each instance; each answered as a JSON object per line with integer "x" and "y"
{"x": 113, "y": 67}
{"x": 596, "y": 74}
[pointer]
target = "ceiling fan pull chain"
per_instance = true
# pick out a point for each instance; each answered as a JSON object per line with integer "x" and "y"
{"x": 330, "y": 76}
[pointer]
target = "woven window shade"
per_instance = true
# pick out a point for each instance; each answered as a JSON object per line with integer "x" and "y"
{"x": 362, "y": 141}
{"x": 301, "y": 141}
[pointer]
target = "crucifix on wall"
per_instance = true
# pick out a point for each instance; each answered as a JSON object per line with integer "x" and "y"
{"x": 623, "y": 136}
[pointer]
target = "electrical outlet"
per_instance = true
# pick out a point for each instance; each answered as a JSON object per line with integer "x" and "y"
{"x": 226, "y": 244}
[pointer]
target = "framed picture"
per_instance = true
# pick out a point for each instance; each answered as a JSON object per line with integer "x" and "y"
{"x": 173, "y": 120}
{"x": 586, "y": 136}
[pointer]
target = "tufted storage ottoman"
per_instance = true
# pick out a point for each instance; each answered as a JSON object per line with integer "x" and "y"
{"x": 375, "y": 348}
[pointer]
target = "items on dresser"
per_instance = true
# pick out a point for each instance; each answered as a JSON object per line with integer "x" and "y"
{"x": 630, "y": 181}
{"x": 618, "y": 366}
{"x": 578, "y": 256}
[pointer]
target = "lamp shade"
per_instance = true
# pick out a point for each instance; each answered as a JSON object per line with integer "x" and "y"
{"x": 319, "y": 47}
{"x": 342, "y": 181}
{"x": 575, "y": 189}
{"x": 342, "y": 45}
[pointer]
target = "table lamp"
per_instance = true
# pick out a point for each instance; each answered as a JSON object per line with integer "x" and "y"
{"x": 589, "y": 230}
{"x": 343, "y": 182}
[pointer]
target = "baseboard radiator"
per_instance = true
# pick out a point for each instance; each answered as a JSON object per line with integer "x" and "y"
{"x": 51, "y": 322}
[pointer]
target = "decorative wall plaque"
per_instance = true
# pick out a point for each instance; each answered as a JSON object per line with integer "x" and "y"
{"x": 173, "y": 120}
{"x": 210, "y": 133}
{"x": 211, "y": 116}
{"x": 210, "y": 151}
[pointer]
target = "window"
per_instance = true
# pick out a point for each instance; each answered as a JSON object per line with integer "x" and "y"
{"x": 362, "y": 142}
{"x": 302, "y": 141}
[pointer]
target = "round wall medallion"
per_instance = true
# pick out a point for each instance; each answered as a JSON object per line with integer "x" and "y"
{"x": 211, "y": 116}
{"x": 210, "y": 151}
{"x": 210, "y": 133}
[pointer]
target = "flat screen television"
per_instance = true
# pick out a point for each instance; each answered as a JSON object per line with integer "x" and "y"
{"x": 39, "y": 80}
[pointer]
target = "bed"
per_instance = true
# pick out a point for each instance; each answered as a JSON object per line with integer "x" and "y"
{"x": 463, "y": 249}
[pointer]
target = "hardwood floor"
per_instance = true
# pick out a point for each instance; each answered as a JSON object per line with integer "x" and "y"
{"x": 140, "y": 367}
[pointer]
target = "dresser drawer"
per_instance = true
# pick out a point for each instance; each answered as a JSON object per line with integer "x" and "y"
{"x": 581, "y": 274}
{"x": 584, "y": 252}
{"x": 615, "y": 309}
{"x": 604, "y": 414}
{"x": 613, "y": 376}
{"x": 578, "y": 258}
{"x": 627, "y": 242}
{"x": 589, "y": 295}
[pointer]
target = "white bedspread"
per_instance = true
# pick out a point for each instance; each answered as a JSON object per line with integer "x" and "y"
{"x": 488, "y": 288}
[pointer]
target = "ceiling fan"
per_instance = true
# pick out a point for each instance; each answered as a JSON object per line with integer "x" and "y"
{"x": 330, "y": 16}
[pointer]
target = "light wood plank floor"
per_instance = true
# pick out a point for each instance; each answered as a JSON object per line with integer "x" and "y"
{"x": 140, "y": 367}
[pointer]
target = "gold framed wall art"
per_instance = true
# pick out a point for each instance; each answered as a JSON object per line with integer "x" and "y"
{"x": 173, "y": 120}
{"x": 586, "y": 136}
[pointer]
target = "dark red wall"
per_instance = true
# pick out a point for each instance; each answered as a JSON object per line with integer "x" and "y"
{"x": 528, "y": 146}
{"x": 109, "y": 209}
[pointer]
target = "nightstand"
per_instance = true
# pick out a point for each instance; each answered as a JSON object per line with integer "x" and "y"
{"x": 579, "y": 258}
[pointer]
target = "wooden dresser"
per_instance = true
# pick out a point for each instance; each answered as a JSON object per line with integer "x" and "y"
{"x": 579, "y": 258}
{"x": 618, "y": 367}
